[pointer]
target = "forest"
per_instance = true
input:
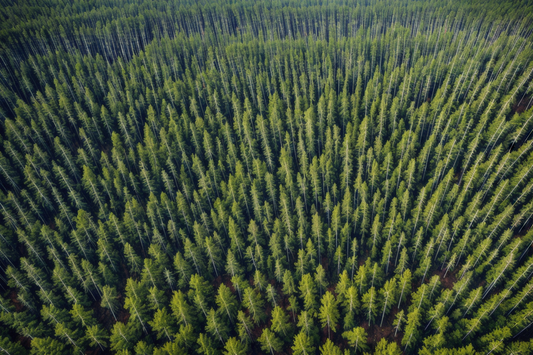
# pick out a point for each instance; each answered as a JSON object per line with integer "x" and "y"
{"x": 230, "y": 177}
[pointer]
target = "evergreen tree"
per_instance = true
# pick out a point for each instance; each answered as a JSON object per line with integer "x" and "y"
{"x": 302, "y": 345}
{"x": 269, "y": 341}
{"x": 357, "y": 338}
{"x": 328, "y": 313}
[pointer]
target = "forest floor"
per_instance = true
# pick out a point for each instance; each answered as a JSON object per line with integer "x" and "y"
{"x": 524, "y": 104}
{"x": 376, "y": 333}
{"x": 449, "y": 280}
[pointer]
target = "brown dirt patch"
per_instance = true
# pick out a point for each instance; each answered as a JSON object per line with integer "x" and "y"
{"x": 376, "y": 333}
{"x": 104, "y": 315}
{"x": 97, "y": 351}
{"x": 449, "y": 280}
{"x": 13, "y": 297}
{"x": 125, "y": 270}
{"x": 382, "y": 332}
{"x": 24, "y": 341}
{"x": 216, "y": 282}
{"x": 325, "y": 263}
{"x": 227, "y": 281}
{"x": 123, "y": 316}
{"x": 523, "y": 105}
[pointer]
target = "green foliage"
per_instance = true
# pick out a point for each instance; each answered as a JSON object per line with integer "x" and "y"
{"x": 302, "y": 345}
{"x": 269, "y": 341}
{"x": 234, "y": 347}
{"x": 357, "y": 338}
{"x": 236, "y": 176}
{"x": 328, "y": 313}
{"x": 47, "y": 346}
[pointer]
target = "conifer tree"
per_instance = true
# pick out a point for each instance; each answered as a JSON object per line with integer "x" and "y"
{"x": 302, "y": 345}
{"x": 328, "y": 313}
{"x": 269, "y": 341}
{"x": 357, "y": 338}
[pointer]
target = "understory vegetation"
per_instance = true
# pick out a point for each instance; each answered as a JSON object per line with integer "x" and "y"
{"x": 266, "y": 177}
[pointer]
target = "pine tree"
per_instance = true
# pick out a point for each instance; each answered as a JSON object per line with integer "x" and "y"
{"x": 253, "y": 301}
{"x": 370, "y": 304}
{"x": 308, "y": 293}
{"x": 269, "y": 341}
{"x": 280, "y": 321}
{"x": 357, "y": 338}
{"x": 234, "y": 347}
{"x": 96, "y": 336}
{"x": 226, "y": 302}
{"x": 328, "y": 313}
{"x": 288, "y": 283}
{"x": 163, "y": 324}
{"x": 205, "y": 345}
{"x": 124, "y": 337}
{"x": 216, "y": 327}
{"x": 411, "y": 332}
{"x": 320, "y": 278}
{"x": 388, "y": 297}
{"x": 244, "y": 327}
{"x": 46, "y": 346}
{"x": 404, "y": 286}
{"x": 330, "y": 348}
{"x": 302, "y": 345}
{"x": 398, "y": 322}
{"x": 200, "y": 293}
{"x": 384, "y": 347}
{"x": 180, "y": 308}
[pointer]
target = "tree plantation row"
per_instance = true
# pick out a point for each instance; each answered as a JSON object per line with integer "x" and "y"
{"x": 238, "y": 177}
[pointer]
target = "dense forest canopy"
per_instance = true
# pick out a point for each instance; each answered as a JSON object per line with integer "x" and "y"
{"x": 266, "y": 177}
